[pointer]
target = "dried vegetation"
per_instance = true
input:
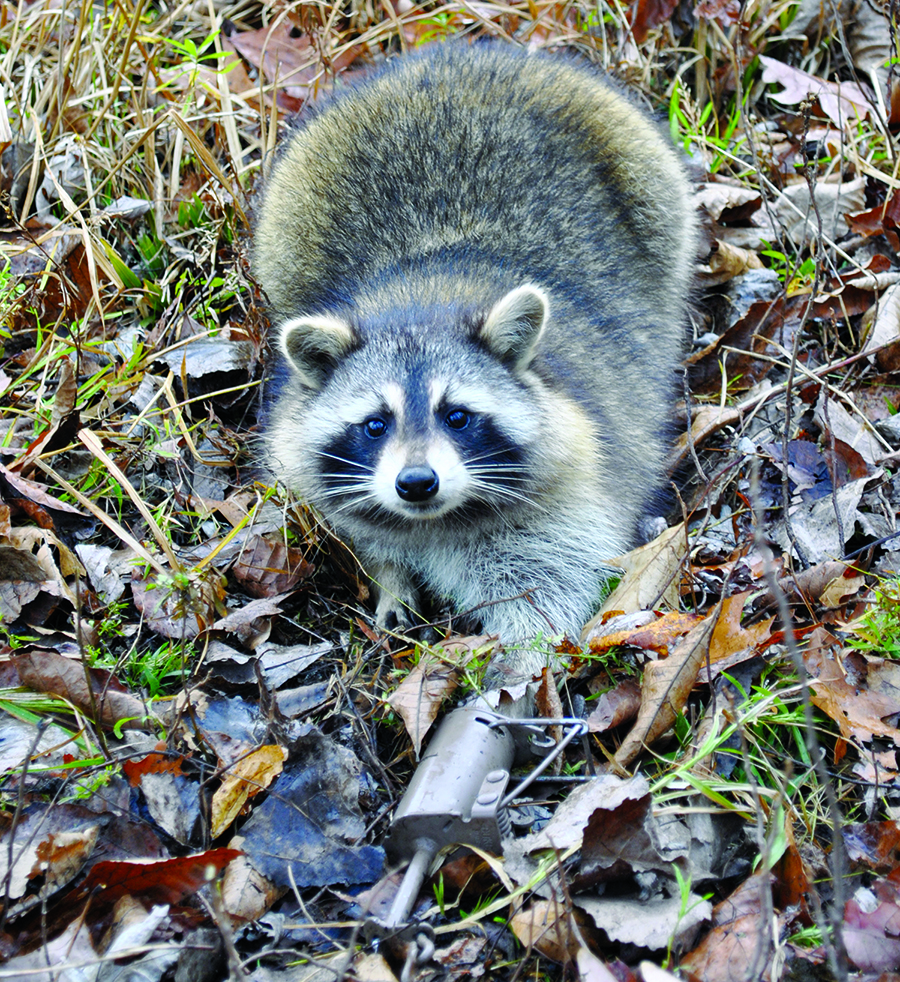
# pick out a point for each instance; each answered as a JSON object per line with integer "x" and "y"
{"x": 201, "y": 736}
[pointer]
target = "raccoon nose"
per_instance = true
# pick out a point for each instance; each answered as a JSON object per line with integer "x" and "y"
{"x": 417, "y": 483}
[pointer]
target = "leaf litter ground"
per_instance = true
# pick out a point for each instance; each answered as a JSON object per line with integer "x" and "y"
{"x": 203, "y": 738}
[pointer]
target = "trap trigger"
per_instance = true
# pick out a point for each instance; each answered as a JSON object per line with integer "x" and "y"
{"x": 531, "y": 737}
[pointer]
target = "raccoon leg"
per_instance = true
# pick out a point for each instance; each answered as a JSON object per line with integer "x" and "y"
{"x": 397, "y": 603}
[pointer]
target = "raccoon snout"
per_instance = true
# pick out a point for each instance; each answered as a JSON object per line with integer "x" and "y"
{"x": 417, "y": 483}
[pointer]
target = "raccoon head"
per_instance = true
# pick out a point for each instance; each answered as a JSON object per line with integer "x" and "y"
{"x": 421, "y": 422}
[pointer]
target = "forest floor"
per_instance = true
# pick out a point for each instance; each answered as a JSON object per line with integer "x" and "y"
{"x": 204, "y": 738}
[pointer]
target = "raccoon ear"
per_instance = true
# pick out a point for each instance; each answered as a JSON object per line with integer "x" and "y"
{"x": 314, "y": 345}
{"x": 515, "y": 323}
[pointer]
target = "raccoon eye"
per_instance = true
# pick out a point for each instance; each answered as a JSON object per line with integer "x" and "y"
{"x": 457, "y": 419}
{"x": 375, "y": 427}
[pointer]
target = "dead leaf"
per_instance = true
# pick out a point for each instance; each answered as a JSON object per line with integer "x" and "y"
{"x": 720, "y": 201}
{"x": 311, "y": 822}
{"x": 814, "y": 524}
{"x": 884, "y": 335}
{"x": 647, "y": 14}
{"x": 548, "y": 705}
{"x": 650, "y": 574}
{"x": 246, "y": 893}
{"x": 131, "y": 926}
{"x": 881, "y": 219}
{"x": 19, "y": 862}
{"x": 732, "y": 643}
{"x": 871, "y": 929}
{"x": 170, "y": 792}
{"x": 566, "y": 829}
{"x": 881, "y": 675}
{"x": 649, "y": 924}
{"x": 738, "y": 949}
{"x": 591, "y": 969}
{"x": 842, "y": 588}
{"x": 622, "y": 840}
{"x": 154, "y": 763}
{"x": 71, "y": 947}
{"x": 864, "y": 30}
{"x": 859, "y": 714}
{"x": 617, "y": 706}
{"x": 266, "y": 567}
{"x": 66, "y": 393}
{"x": 419, "y": 696}
{"x": 35, "y": 501}
{"x": 107, "y": 569}
{"x": 96, "y": 692}
{"x": 45, "y": 540}
{"x": 204, "y": 356}
{"x": 666, "y": 686}
{"x": 812, "y": 584}
{"x": 853, "y": 430}
{"x": 58, "y": 859}
{"x": 820, "y": 655}
{"x": 178, "y": 607}
{"x": 843, "y": 103}
{"x": 252, "y": 623}
{"x": 287, "y": 54}
{"x": 794, "y": 210}
{"x": 28, "y": 567}
{"x": 793, "y": 877}
{"x": 878, "y": 770}
{"x": 372, "y": 968}
{"x": 157, "y": 881}
{"x": 278, "y": 664}
{"x": 460, "y": 958}
{"x": 658, "y": 635}
{"x": 242, "y": 781}
{"x": 705, "y": 420}
{"x": 64, "y": 421}
{"x": 550, "y": 927}
{"x": 649, "y": 971}
{"x": 875, "y": 845}
{"x": 726, "y": 13}
{"x": 736, "y": 349}
{"x": 726, "y": 261}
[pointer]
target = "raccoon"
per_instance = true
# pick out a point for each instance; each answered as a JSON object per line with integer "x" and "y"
{"x": 478, "y": 260}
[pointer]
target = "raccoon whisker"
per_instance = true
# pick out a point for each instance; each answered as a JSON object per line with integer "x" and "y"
{"x": 488, "y": 474}
{"x": 347, "y": 480}
{"x": 345, "y": 460}
{"x": 486, "y": 490}
{"x": 347, "y": 490}
{"x": 491, "y": 477}
{"x": 355, "y": 502}
{"x": 355, "y": 490}
{"x": 338, "y": 480}
{"x": 339, "y": 502}
{"x": 491, "y": 453}
{"x": 489, "y": 468}
{"x": 492, "y": 491}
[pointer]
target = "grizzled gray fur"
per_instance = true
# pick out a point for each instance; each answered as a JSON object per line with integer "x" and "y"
{"x": 478, "y": 261}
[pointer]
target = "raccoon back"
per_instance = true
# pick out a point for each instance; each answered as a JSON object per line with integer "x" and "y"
{"x": 480, "y": 157}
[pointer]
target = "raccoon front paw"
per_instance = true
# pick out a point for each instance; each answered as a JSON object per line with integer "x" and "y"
{"x": 398, "y": 601}
{"x": 392, "y": 616}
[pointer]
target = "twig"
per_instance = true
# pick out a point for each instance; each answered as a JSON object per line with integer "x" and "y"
{"x": 833, "y": 939}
